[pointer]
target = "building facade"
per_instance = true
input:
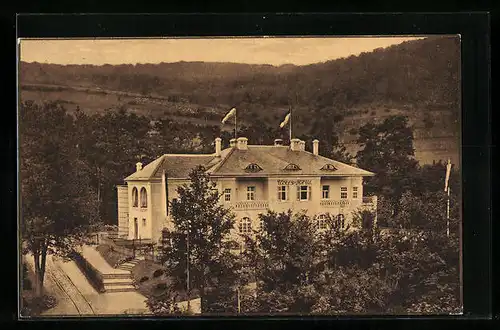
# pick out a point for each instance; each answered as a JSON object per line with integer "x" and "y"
{"x": 251, "y": 180}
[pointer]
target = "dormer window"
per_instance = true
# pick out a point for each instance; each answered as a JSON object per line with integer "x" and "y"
{"x": 329, "y": 167}
{"x": 253, "y": 168}
{"x": 292, "y": 167}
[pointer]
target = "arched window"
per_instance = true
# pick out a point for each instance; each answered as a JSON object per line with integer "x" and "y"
{"x": 245, "y": 226}
{"x": 339, "y": 221}
{"x": 144, "y": 197}
{"x": 321, "y": 222}
{"x": 135, "y": 197}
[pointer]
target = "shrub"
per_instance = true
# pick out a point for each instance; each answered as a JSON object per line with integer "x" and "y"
{"x": 143, "y": 279}
{"x": 158, "y": 273}
{"x": 33, "y": 305}
{"x": 160, "y": 289}
{"x": 161, "y": 286}
{"x": 47, "y": 302}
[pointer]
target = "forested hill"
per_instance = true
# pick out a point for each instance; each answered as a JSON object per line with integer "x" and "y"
{"x": 418, "y": 78}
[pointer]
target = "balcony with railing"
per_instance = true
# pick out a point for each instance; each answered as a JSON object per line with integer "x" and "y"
{"x": 334, "y": 202}
{"x": 251, "y": 205}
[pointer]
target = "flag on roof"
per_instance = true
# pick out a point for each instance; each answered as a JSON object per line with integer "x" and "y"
{"x": 231, "y": 113}
{"x": 447, "y": 178}
{"x": 285, "y": 121}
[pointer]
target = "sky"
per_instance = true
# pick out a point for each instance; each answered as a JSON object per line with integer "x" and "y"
{"x": 263, "y": 50}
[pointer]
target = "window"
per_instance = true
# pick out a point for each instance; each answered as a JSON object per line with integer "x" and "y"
{"x": 343, "y": 192}
{"x": 339, "y": 221}
{"x": 329, "y": 167}
{"x": 292, "y": 167}
{"x": 321, "y": 222}
{"x": 282, "y": 193}
{"x": 326, "y": 192}
{"x": 144, "y": 198}
{"x": 253, "y": 168}
{"x": 245, "y": 226}
{"x": 227, "y": 195}
{"x": 354, "y": 192}
{"x": 303, "y": 193}
{"x": 144, "y": 222}
{"x": 135, "y": 197}
{"x": 251, "y": 193}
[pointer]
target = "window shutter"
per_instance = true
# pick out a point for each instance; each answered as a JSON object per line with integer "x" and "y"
{"x": 298, "y": 193}
{"x": 287, "y": 193}
{"x": 309, "y": 192}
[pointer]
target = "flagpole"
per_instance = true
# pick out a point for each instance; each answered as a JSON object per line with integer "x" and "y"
{"x": 235, "y": 129}
{"x": 290, "y": 126}
{"x": 447, "y": 190}
{"x": 448, "y": 214}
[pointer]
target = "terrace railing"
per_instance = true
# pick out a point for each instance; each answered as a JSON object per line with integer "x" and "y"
{"x": 252, "y": 205}
{"x": 334, "y": 202}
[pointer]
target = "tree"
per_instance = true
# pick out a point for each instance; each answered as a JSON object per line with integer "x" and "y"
{"x": 111, "y": 144}
{"x": 423, "y": 269}
{"x": 57, "y": 206}
{"x": 387, "y": 150}
{"x": 352, "y": 290}
{"x": 285, "y": 257}
{"x": 200, "y": 221}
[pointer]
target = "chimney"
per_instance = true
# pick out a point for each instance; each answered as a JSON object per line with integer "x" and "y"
{"x": 278, "y": 142}
{"x": 218, "y": 146}
{"x": 316, "y": 147}
{"x": 138, "y": 166}
{"x": 242, "y": 143}
{"x": 302, "y": 145}
{"x": 232, "y": 143}
{"x": 295, "y": 145}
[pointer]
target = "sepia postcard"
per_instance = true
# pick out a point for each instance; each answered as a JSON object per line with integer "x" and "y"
{"x": 239, "y": 176}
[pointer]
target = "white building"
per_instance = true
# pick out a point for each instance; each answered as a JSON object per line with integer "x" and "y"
{"x": 252, "y": 178}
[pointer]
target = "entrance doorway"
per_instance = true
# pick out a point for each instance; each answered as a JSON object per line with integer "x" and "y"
{"x": 136, "y": 229}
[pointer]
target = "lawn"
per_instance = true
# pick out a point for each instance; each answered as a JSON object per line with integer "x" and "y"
{"x": 112, "y": 257}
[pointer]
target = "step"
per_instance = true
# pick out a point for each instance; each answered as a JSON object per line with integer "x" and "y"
{"x": 117, "y": 281}
{"x": 116, "y": 276}
{"x": 127, "y": 264}
{"x": 120, "y": 288}
{"x": 125, "y": 267}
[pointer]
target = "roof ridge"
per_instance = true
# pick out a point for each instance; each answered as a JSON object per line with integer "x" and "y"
{"x": 223, "y": 161}
{"x": 158, "y": 167}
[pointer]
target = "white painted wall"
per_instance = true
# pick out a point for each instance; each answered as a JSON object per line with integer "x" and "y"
{"x": 266, "y": 190}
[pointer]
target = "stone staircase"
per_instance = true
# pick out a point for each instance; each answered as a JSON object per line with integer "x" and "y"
{"x": 120, "y": 282}
{"x": 128, "y": 265}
